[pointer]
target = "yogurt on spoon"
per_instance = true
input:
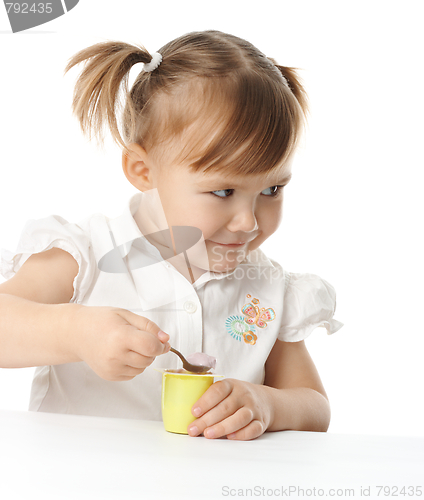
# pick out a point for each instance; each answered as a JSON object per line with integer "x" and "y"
{"x": 202, "y": 359}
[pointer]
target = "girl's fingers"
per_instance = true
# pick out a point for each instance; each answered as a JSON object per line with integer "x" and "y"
{"x": 220, "y": 412}
{"x": 212, "y": 397}
{"x": 138, "y": 361}
{"x": 155, "y": 337}
{"x": 228, "y": 408}
{"x": 145, "y": 343}
{"x": 221, "y": 421}
{"x": 139, "y": 322}
{"x": 253, "y": 430}
{"x": 127, "y": 373}
{"x": 224, "y": 426}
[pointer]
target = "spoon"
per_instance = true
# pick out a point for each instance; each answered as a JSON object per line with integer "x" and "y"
{"x": 190, "y": 367}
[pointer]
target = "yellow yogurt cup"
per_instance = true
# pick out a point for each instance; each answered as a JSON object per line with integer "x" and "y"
{"x": 179, "y": 393}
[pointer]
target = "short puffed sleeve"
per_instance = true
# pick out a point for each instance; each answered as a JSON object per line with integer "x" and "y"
{"x": 309, "y": 302}
{"x": 52, "y": 232}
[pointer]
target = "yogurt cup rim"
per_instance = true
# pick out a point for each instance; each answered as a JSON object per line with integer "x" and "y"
{"x": 164, "y": 370}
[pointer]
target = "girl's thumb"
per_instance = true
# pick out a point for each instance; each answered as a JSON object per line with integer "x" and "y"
{"x": 162, "y": 336}
{"x": 144, "y": 324}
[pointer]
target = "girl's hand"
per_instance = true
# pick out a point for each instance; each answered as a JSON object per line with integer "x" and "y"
{"x": 117, "y": 344}
{"x": 232, "y": 408}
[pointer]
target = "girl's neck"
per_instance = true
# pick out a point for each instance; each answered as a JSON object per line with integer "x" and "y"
{"x": 151, "y": 220}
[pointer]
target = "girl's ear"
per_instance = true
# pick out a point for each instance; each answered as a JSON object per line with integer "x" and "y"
{"x": 136, "y": 170}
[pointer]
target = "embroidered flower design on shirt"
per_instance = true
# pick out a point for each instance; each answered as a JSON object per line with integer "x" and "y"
{"x": 250, "y": 338}
{"x": 240, "y": 327}
{"x": 237, "y": 328}
{"x": 257, "y": 316}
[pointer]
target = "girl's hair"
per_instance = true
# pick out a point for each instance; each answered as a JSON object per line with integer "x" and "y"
{"x": 227, "y": 106}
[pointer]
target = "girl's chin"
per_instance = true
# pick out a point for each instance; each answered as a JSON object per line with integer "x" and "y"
{"x": 218, "y": 261}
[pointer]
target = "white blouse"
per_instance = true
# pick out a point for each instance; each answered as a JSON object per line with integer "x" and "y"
{"x": 235, "y": 316}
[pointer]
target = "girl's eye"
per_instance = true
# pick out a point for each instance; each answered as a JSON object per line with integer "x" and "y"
{"x": 225, "y": 191}
{"x": 273, "y": 191}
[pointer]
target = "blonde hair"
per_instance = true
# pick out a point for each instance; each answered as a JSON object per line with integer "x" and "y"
{"x": 231, "y": 107}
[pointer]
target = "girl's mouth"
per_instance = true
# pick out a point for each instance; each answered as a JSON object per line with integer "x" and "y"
{"x": 229, "y": 245}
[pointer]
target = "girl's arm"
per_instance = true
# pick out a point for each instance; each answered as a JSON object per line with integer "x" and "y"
{"x": 292, "y": 398}
{"x": 299, "y": 401}
{"x": 34, "y": 312}
{"x": 38, "y": 325}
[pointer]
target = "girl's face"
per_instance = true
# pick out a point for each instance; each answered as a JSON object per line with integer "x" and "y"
{"x": 235, "y": 214}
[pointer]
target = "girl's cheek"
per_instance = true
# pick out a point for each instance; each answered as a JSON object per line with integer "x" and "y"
{"x": 253, "y": 245}
{"x": 211, "y": 220}
{"x": 273, "y": 219}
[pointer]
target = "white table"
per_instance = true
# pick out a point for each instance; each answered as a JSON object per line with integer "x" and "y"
{"x": 60, "y": 457}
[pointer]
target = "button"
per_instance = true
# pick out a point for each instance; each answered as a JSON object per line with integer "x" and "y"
{"x": 190, "y": 307}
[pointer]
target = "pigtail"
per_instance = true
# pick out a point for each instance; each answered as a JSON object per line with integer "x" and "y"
{"x": 247, "y": 118}
{"x": 96, "y": 92}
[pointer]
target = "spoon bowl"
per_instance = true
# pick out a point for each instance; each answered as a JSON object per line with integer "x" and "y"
{"x": 189, "y": 366}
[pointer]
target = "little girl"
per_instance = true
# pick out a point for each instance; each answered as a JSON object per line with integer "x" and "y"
{"x": 208, "y": 131}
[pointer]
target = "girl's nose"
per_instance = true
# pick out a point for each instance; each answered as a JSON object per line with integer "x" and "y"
{"x": 243, "y": 220}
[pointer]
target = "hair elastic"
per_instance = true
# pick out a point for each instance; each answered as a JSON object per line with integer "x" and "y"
{"x": 154, "y": 63}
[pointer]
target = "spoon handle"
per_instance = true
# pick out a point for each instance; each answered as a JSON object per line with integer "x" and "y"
{"x": 188, "y": 366}
{"x": 179, "y": 355}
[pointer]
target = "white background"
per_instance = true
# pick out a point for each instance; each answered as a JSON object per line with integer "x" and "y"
{"x": 353, "y": 211}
